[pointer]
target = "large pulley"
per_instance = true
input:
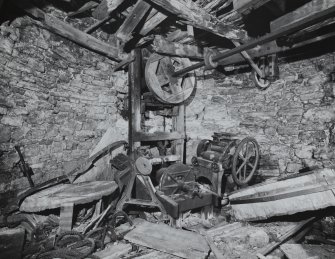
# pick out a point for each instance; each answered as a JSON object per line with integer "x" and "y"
{"x": 165, "y": 87}
{"x": 245, "y": 161}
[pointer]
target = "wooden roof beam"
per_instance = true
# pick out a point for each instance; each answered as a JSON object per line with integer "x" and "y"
{"x": 132, "y": 20}
{"x": 154, "y": 19}
{"x": 67, "y": 31}
{"x": 191, "y": 14}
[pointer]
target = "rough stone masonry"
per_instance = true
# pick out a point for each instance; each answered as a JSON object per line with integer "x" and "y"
{"x": 57, "y": 100}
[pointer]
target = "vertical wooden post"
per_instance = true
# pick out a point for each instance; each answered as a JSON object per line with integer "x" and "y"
{"x": 179, "y": 126}
{"x": 134, "y": 86}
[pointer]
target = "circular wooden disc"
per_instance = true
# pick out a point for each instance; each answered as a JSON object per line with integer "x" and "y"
{"x": 56, "y": 196}
{"x": 143, "y": 165}
{"x": 165, "y": 87}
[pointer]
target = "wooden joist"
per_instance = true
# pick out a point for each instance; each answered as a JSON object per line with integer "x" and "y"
{"x": 312, "y": 8}
{"x": 165, "y": 47}
{"x": 191, "y": 14}
{"x": 132, "y": 20}
{"x": 153, "y": 19}
{"x": 105, "y": 8}
{"x": 67, "y": 31}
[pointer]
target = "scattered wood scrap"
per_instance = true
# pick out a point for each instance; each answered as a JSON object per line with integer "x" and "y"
{"x": 177, "y": 242}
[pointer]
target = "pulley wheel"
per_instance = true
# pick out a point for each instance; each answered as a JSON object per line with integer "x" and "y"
{"x": 143, "y": 166}
{"x": 165, "y": 87}
{"x": 245, "y": 161}
{"x": 175, "y": 177}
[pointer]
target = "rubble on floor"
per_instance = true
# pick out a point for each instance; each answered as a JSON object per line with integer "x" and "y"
{"x": 84, "y": 220}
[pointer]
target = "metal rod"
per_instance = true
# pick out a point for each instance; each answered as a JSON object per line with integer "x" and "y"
{"x": 314, "y": 18}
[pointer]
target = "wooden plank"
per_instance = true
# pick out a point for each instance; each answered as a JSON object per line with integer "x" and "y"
{"x": 152, "y": 21}
{"x": 132, "y": 20}
{"x": 163, "y": 238}
{"x": 304, "y": 193}
{"x": 146, "y": 136}
{"x": 69, "y": 32}
{"x": 105, "y": 8}
{"x": 301, "y": 13}
{"x": 162, "y": 46}
{"x": 199, "y": 18}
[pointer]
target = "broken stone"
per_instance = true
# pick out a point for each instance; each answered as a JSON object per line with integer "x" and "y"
{"x": 258, "y": 238}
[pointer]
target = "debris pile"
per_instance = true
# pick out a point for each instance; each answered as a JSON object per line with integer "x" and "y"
{"x": 178, "y": 218}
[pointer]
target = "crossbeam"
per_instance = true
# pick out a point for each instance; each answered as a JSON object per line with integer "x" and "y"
{"x": 69, "y": 32}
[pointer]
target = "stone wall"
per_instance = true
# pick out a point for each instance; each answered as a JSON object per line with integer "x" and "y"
{"x": 56, "y": 102}
{"x": 293, "y": 120}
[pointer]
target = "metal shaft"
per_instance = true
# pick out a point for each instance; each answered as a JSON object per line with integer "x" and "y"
{"x": 303, "y": 23}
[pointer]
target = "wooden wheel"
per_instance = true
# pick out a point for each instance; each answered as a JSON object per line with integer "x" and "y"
{"x": 175, "y": 177}
{"x": 245, "y": 161}
{"x": 165, "y": 87}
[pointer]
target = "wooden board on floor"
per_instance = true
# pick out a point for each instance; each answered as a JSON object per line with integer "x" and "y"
{"x": 57, "y": 196}
{"x": 173, "y": 241}
{"x": 303, "y": 251}
{"x": 308, "y": 192}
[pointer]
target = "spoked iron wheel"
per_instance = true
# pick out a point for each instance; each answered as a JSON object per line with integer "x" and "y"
{"x": 245, "y": 161}
{"x": 166, "y": 88}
